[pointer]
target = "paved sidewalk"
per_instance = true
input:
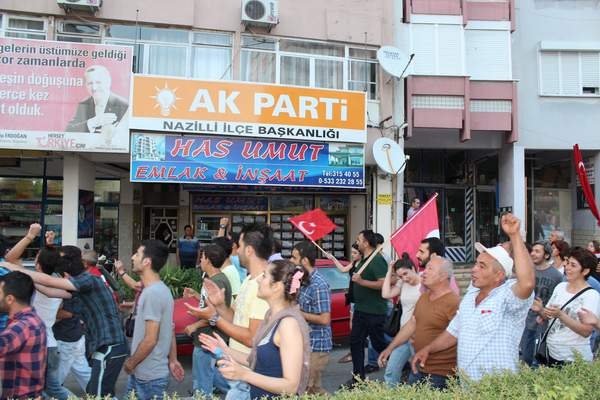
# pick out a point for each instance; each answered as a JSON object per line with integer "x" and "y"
{"x": 334, "y": 375}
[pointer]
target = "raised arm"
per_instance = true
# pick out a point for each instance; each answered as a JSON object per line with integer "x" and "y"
{"x": 15, "y": 253}
{"x": 42, "y": 278}
{"x": 524, "y": 270}
{"x": 389, "y": 291}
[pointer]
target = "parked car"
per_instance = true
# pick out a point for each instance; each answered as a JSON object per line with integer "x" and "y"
{"x": 340, "y": 311}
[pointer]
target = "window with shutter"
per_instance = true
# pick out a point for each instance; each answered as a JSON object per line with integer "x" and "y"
{"x": 569, "y": 73}
{"x": 488, "y": 54}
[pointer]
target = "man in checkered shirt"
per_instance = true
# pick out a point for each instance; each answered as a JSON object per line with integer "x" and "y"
{"x": 491, "y": 316}
{"x": 23, "y": 342}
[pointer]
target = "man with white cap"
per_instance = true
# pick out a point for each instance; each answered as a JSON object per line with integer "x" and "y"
{"x": 491, "y": 316}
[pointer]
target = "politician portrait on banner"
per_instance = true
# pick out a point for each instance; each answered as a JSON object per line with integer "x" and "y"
{"x": 64, "y": 96}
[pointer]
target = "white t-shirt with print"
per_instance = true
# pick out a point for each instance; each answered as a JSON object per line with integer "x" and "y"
{"x": 562, "y": 341}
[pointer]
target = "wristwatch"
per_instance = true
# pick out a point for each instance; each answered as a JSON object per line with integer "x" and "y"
{"x": 212, "y": 321}
{"x": 222, "y": 226}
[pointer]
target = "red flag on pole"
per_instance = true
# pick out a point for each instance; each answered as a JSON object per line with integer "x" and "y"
{"x": 313, "y": 224}
{"x": 423, "y": 224}
{"x": 588, "y": 193}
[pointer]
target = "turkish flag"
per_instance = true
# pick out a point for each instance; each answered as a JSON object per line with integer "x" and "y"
{"x": 423, "y": 224}
{"x": 314, "y": 224}
{"x": 588, "y": 193}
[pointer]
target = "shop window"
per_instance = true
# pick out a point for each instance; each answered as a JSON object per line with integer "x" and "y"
{"x": 21, "y": 189}
{"x": 106, "y": 230}
{"x": 292, "y": 203}
{"x": 54, "y": 190}
{"x": 454, "y": 217}
{"x": 487, "y": 171}
{"x": 454, "y": 168}
{"x": 432, "y": 168}
{"x": 107, "y": 191}
{"x": 15, "y": 219}
{"x": 53, "y": 221}
{"x": 23, "y": 27}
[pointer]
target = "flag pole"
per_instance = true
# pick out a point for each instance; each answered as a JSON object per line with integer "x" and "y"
{"x": 371, "y": 257}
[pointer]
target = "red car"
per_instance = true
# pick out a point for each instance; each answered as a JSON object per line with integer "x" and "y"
{"x": 340, "y": 312}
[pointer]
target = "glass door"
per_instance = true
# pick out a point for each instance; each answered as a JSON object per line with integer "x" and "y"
{"x": 486, "y": 222}
{"x": 454, "y": 217}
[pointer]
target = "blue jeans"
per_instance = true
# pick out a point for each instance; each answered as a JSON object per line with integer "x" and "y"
{"x": 528, "y": 345}
{"x": 147, "y": 390}
{"x": 398, "y": 359}
{"x": 436, "y": 381}
{"x": 54, "y": 387}
{"x": 203, "y": 371}
{"x": 239, "y": 390}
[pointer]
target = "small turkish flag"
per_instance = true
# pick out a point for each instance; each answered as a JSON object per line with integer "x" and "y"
{"x": 314, "y": 224}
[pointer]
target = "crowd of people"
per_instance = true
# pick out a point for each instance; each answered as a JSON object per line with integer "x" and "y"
{"x": 266, "y": 331}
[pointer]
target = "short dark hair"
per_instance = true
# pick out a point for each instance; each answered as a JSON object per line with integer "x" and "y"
{"x": 49, "y": 259}
{"x": 546, "y": 246}
{"x": 187, "y": 226}
{"x": 596, "y": 245}
{"x": 307, "y": 249}
{"x": 157, "y": 252}
{"x": 370, "y": 237}
{"x": 404, "y": 262}
{"x": 259, "y": 236}
{"x": 225, "y": 243}
{"x": 72, "y": 263}
{"x": 435, "y": 245}
{"x": 19, "y": 285}
{"x": 586, "y": 258}
{"x": 215, "y": 254}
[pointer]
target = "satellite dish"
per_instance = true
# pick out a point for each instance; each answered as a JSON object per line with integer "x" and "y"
{"x": 389, "y": 156}
{"x": 393, "y": 60}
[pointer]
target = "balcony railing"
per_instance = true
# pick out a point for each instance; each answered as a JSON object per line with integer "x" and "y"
{"x": 471, "y": 10}
{"x": 456, "y": 102}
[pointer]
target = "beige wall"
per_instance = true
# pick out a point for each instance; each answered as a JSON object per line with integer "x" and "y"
{"x": 337, "y": 20}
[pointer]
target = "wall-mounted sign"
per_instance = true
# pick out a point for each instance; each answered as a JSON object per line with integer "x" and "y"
{"x": 233, "y": 161}
{"x": 248, "y": 110}
{"x": 64, "y": 96}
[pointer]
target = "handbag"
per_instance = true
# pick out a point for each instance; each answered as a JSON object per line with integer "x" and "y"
{"x": 392, "y": 324}
{"x": 542, "y": 354}
{"x": 129, "y": 324}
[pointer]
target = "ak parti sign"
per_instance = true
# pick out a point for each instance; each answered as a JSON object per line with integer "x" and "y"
{"x": 248, "y": 110}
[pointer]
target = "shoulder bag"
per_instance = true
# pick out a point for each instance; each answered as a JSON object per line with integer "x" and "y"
{"x": 542, "y": 355}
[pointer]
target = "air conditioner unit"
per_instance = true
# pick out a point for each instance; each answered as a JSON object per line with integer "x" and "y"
{"x": 83, "y": 5}
{"x": 260, "y": 12}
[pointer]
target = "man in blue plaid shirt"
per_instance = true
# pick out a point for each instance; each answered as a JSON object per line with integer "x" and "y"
{"x": 315, "y": 303}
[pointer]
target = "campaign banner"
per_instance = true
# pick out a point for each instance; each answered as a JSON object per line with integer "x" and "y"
{"x": 235, "y": 161}
{"x": 248, "y": 110}
{"x": 64, "y": 96}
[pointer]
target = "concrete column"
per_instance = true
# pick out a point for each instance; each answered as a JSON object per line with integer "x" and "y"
{"x": 126, "y": 225}
{"x": 382, "y": 209}
{"x": 78, "y": 174}
{"x": 511, "y": 171}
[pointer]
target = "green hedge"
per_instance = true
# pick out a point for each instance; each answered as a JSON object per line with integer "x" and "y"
{"x": 580, "y": 380}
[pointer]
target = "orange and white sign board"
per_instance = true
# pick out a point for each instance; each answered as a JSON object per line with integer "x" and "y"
{"x": 248, "y": 110}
